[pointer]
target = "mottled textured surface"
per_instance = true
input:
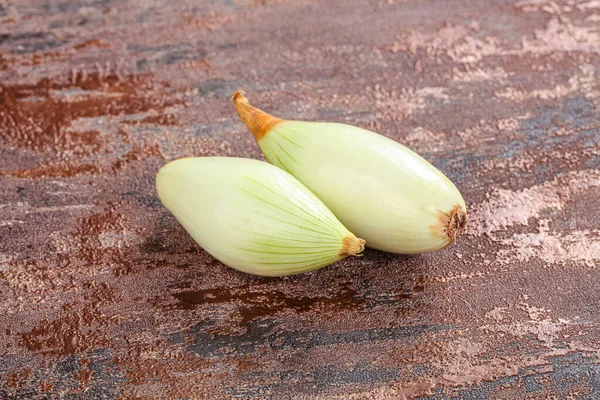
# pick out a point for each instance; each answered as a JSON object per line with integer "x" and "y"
{"x": 104, "y": 296}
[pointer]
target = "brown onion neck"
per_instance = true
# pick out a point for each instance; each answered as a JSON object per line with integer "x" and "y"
{"x": 257, "y": 121}
{"x": 455, "y": 223}
{"x": 351, "y": 246}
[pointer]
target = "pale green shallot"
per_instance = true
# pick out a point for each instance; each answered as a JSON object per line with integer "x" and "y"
{"x": 381, "y": 190}
{"x": 252, "y": 216}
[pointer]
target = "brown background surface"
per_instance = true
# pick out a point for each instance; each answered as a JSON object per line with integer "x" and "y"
{"x": 104, "y": 296}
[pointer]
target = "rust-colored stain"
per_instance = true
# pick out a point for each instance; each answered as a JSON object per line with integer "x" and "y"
{"x": 104, "y": 295}
{"x": 64, "y": 169}
{"x": 261, "y": 305}
{"x": 92, "y": 43}
{"x": 38, "y": 117}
